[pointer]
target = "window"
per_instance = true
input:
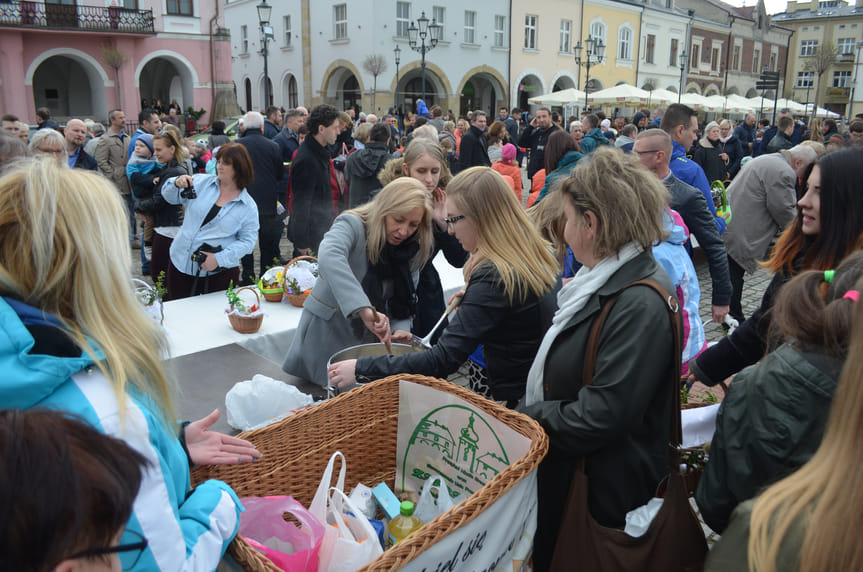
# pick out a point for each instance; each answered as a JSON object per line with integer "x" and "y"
{"x": 180, "y": 7}
{"x": 842, "y": 79}
{"x": 439, "y": 15}
{"x": 649, "y": 48}
{"x": 499, "y": 31}
{"x": 773, "y": 61}
{"x": 845, "y": 46}
{"x": 403, "y": 18}
{"x": 756, "y": 60}
{"x": 597, "y": 31}
{"x": 735, "y": 58}
{"x": 244, "y": 39}
{"x": 565, "y": 30}
{"x": 805, "y": 79}
{"x": 469, "y": 26}
{"x": 530, "y": 32}
{"x": 286, "y": 21}
{"x": 624, "y": 43}
{"x": 808, "y": 47}
{"x": 340, "y": 21}
{"x": 714, "y": 59}
{"x": 693, "y": 63}
{"x": 672, "y": 59}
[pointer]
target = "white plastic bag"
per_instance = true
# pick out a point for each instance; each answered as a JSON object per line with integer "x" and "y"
{"x": 638, "y": 519}
{"x": 428, "y": 507}
{"x": 262, "y": 400}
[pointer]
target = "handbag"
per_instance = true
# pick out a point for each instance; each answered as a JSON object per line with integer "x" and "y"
{"x": 674, "y": 541}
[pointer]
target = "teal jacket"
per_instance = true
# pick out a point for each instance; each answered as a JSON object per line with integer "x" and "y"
{"x": 187, "y": 529}
{"x": 564, "y": 168}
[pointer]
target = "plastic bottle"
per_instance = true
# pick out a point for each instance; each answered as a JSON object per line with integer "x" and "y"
{"x": 403, "y": 524}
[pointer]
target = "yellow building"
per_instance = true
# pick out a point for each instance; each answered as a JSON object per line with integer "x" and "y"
{"x": 619, "y": 26}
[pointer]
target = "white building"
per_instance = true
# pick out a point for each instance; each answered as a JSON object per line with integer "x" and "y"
{"x": 319, "y": 48}
{"x": 664, "y": 34}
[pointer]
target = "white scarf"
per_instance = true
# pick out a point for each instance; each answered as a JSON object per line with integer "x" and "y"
{"x": 570, "y": 300}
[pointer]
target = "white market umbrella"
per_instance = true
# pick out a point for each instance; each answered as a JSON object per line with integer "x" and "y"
{"x": 562, "y": 97}
{"x": 725, "y": 104}
{"x": 698, "y": 102}
{"x": 759, "y": 105}
{"x": 793, "y": 106}
{"x": 667, "y": 97}
{"x": 822, "y": 113}
{"x": 623, "y": 95}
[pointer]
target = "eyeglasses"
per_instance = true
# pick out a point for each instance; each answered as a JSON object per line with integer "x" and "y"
{"x": 647, "y": 151}
{"x": 450, "y": 221}
{"x": 132, "y": 549}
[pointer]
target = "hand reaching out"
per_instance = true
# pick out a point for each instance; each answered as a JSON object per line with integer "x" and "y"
{"x": 213, "y": 448}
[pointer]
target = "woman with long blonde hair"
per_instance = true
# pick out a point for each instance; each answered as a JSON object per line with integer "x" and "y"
{"x": 369, "y": 264}
{"x": 811, "y": 520}
{"x": 508, "y": 301}
{"x": 76, "y": 339}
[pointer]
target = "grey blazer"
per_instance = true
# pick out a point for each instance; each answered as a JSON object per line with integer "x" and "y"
{"x": 326, "y": 325}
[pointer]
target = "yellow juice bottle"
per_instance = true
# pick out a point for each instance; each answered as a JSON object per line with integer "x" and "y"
{"x": 403, "y": 524}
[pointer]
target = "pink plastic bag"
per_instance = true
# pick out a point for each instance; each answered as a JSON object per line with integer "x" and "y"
{"x": 291, "y": 548}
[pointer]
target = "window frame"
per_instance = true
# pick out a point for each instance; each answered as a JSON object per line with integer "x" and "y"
{"x": 674, "y": 53}
{"x": 470, "y": 27}
{"x": 439, "y": 11}
{"x": 849, "y": 42}
{"x": 625, "y": 48}
{"x": 500, "y": 33}
{"x": 244, "y": 39}
{"x": 288, "y": 30}
{"x": 340, "y": 27}
{"x": 178, "y": 11}
{"x": 842, "y": 78}
{"x": 805, "y": 79}
{"x": 403, "y": 23}
{"x": 531, "y": 26}
{"x": 808, "y": 48}
{"x": 650, "y": 49}
{"x": 565, "y": 46}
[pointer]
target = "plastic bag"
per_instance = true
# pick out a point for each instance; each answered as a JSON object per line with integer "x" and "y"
{"x": 428, "y": 507}
{"x": 262, "y": 400}
{"x": 291, "y": 548}
{"x": 638, "y": 519}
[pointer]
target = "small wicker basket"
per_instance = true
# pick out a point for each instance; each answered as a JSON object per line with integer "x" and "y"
{"x": 270, "y": 294}
{"x": 246, "y": 324}
{"x": 296, "y": 299}
{"x": 363, "y": 424}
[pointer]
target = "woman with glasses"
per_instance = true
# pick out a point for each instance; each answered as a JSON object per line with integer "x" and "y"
{"x": 51, "y": 143}
{"x": 74, "y": 338}
{"x": 69, "y": 488}
{"x": 170, "y": 156}
{"x": 368, "y": 266}
{"x": 508, "y": 301}
{"x": 425, "y": 161}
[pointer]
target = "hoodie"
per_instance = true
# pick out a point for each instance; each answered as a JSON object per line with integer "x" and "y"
{"x": 362, "y": 170}
{"x": 186, "y": 528}
{"x": 563, "y": 169}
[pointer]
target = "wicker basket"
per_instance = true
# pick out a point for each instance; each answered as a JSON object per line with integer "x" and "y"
{"x": 296, "y": 299}
{"x": 270, "y": 294}
{"x": 363, "y": 424}
{"x": 246, "y": 324}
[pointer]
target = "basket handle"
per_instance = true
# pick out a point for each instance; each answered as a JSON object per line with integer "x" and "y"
{"x": 253, "y": 290}
{"x": 306, "y": 257}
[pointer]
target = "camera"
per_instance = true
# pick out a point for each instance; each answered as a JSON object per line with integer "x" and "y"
{"x": 189, "y": 193}
{"x": 199, "y": 257}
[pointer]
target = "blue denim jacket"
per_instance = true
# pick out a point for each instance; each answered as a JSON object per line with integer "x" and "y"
{"x": 235, "y": 228}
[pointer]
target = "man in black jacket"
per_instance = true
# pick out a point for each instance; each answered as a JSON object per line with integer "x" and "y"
{"x": 364, "y": 165}
{"x": 267, "y": 162}
{"x": 312, "y": 210}
{"x": 654, "y": 149}
{"x": 473, "y": 151}
{"x": 76, "y": 136}
{"x": 288, "y": 141}
{"x": 271, "y": 124}
{"x": 534, "y": 137}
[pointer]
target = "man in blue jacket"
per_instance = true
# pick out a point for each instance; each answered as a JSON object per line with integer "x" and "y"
{"x": 745, "y": 133}
{"x": 593, "y": 137}
{"x": 681, "y": 123}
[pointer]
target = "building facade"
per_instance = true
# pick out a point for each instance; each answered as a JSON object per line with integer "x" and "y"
{"x": 664, "y": 36}
{"x": 330, "y": 43}
{"x": 81, "y": 61}
{"x": 825, "y": 54}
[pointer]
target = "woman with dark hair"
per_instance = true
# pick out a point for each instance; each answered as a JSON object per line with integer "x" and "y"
{"x": 218, "y": 137}
{"x": 762, "y": 433}
{"x": 220, "y": 223}
{"x": 170, "y": 156}
{"x": 69, "y": 488}
{"x": 561, "y": 155}
{"x": 496, "y": 137}
{"x": 828, "y": 227}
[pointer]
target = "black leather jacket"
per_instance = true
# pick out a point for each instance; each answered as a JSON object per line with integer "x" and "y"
{"x": 509, "y": 332}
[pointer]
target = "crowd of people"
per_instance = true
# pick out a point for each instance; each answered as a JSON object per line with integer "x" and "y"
{"x": 559, "y": 227}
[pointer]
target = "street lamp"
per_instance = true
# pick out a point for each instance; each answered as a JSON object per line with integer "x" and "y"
{"x": 264, "y": 11}
{"x": 595, "y": 55}
{"x": 398, "y": 54}
{"x": 683, "y": 58}
{"x": 417, "y": 34}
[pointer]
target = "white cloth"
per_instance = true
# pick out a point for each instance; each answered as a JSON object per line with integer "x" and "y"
{"x": 570, "y": 300}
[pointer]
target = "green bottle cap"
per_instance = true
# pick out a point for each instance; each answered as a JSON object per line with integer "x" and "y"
{"x": 406, "y": 508}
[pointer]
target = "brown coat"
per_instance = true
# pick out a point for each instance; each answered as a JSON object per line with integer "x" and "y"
{"x": 111, "y": 155}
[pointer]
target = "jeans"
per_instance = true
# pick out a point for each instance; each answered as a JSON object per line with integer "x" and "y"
{"x": 736, "y": 272}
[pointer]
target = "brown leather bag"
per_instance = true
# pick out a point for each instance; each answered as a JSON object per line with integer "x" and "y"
{"x": 674, "y": 541}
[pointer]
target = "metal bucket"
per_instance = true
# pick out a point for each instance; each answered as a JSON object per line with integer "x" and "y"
{"x": 364, "y": 350}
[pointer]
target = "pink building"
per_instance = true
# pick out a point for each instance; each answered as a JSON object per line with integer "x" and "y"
{"x": 83, "y": 60}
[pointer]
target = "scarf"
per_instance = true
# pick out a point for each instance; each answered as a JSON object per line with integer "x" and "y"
{"x": 726, "y": 139}
{"x": 570, "y": 300}
{"x": 394, "y": 265}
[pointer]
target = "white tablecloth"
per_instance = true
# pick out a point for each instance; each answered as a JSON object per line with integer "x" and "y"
{"x": 199, "y": 323}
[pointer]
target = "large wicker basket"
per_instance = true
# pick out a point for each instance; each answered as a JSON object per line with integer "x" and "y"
{"x": 363, "y": 424}
{"x": 296, "y": 299}
{"x": 246, "y": 324}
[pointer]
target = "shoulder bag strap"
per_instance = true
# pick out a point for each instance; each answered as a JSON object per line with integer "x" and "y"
{"x": 673, "y": 307}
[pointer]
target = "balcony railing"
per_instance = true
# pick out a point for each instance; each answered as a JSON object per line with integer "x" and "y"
{"x": 25, "y": 14}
